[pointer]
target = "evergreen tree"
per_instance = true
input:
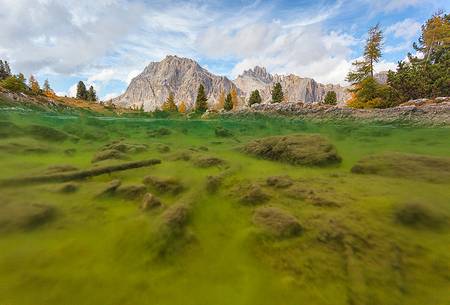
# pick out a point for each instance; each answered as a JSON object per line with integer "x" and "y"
{"x": 372, "y": 54}
{"x": 34, "y": 85}
{"x": 255, "y": 98}
{"x": 228, "y": 104}
{"x": 2, "y": 70}
{"x": 81, "y": 91}
{"x": 169, "y": 104}
{"x": 330, "y": 98}
{"x": 22, "y": 78}
{"x": 91, "y": 95}
{"x": 201, "y": 104}
{"x": 277, "y": 93}
{"x": 7, "y": 69}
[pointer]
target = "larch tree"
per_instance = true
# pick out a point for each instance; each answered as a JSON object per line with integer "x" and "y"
{"x": 182, "y": 107}
{"x": 34, "y": 85}
{"x": 372, "y": 54}
{"x": 221, "y": 100}
{"x": 201, "y": 103}
{"x": 234, "y": 98}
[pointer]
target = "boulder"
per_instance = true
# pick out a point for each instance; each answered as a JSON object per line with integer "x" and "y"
{"x": 69, "y": 187}
{"x": 150, "y": 202}
{"x": 222, "y": 132}
{"x": 300, "y": 149}
{"x": 277, "y": 222}
{"x": 416, "y": 214}
{"x": 110, "y": 188}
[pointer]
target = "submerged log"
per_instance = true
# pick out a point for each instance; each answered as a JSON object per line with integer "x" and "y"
{"x": 77, "y": 175}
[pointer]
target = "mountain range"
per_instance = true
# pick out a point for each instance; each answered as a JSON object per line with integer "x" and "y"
{"x": 182, "y": 77}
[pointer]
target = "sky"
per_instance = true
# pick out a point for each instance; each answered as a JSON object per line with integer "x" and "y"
{"x": 106, "y": 43}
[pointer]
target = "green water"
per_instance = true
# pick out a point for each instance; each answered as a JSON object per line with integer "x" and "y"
{"x": 104, "y": 250}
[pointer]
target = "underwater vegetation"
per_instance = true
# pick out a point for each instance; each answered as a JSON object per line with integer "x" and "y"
{"x": 258, "y": 210}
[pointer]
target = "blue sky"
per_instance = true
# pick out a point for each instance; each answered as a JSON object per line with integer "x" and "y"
{"x": 107, "y": 42}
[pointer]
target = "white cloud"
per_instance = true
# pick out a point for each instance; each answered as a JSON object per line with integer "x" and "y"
{"x": 406, "y": 29}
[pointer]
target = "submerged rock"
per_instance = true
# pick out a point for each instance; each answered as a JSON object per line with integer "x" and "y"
{"x": 277, "y": 222}
{"x": 410, "y": 166}
{"x": 150, "y": 202}
{"x": 110, "y": 188}
{"x": 311, "y": 150}
{"x": 60, "y": 169}
{"x": 125, "y": 147}
{"x": 176, "y": 216}
{"x": 69, "y": 187}
{"x": 164, "y": 185}
{"x": 213, "y": 183}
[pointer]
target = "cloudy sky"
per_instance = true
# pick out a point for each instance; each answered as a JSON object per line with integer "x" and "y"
{"x": 108, "y": 42}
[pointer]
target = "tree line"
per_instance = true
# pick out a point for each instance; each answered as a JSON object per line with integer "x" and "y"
{"x": 423, "y": 75}
{"x": 18, "y": 82}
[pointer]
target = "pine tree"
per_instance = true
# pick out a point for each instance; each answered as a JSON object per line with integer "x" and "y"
{"x": 7, "y": 69}
{"x": 228, "y": 104}
{"x": 169, "y": 104}
{"x": 201, "y": 104}
{"x": 372, "y": 54}
{"x": 277, "y": 93}
{"x": 91, "y": 95}
{"x": 330, "y": 98}
{"x": 2, "y": 70}
{"x": 81, "y": 91}
{"x": 34, "y": 85}
{"x": 255, "y": 98}
{"x": 22, "y": 78}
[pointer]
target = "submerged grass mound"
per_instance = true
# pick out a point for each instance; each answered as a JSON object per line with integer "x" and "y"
{"x": 310, "y": 150}
{"x": 416, "y": 214}
{"x": 410, "y": 166}
{"x": 277, "y": 222}
{"x": 24, "y": 216}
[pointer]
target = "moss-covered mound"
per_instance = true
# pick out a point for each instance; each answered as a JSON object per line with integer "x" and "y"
{"x": 24, "y": 216}
{"x": 410, "y": 166}
{"x": 277, "y": 222}
{"x": 311, "y": 150}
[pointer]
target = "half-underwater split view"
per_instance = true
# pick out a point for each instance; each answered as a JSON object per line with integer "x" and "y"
{"x": 224, "y": 152}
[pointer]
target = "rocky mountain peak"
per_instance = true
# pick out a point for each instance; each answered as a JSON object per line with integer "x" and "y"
{"x": 259, "y": 73}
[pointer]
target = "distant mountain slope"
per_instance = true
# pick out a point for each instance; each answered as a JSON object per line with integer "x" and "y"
{"x": 295, "y": 88}
{"x": 181, "y": 76}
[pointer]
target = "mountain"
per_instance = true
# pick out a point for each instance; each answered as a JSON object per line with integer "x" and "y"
{"x": 295, "y": 88}
{"x": 181, "y": 76}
